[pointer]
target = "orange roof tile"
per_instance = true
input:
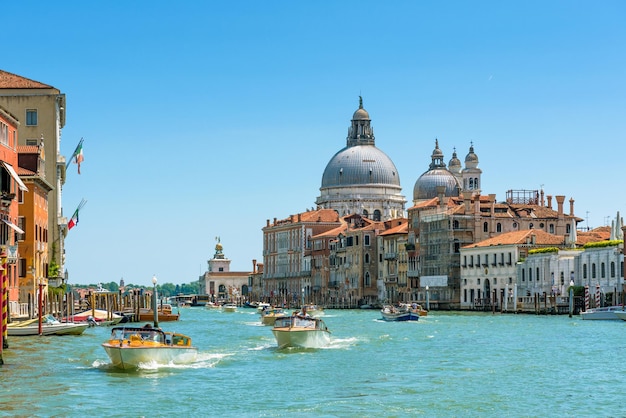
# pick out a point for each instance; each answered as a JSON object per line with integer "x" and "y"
{"x": 521, "y": 237}
{"x": 12, "y": 81}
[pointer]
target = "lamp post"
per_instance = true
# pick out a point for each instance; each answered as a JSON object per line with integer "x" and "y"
{"x": 571, "y": 297}
{"x": 40, "y": 304}
{"x": 154, "y": 297}
{"x": 427, "y": 300}
{"x": 303, "y": 296}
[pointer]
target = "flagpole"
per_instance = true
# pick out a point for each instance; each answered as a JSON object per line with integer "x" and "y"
{"x": 75, "y": 153}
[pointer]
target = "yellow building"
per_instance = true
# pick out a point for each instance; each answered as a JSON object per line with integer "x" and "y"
{"x": 40, "y": 110}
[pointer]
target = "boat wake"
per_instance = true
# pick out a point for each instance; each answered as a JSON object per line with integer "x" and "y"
{"x": 203, "y": 361}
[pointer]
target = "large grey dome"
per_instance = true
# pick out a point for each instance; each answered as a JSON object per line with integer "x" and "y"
{"x": 360, "y": 178}
{"x": 426, "y": 185}
{"x": 360, "y": 164}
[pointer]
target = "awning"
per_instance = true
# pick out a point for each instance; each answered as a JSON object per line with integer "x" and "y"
{"x": 13, "y": 174}
{"x": 12, "y": 225}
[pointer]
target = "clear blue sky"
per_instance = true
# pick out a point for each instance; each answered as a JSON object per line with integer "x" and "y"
{"x": 205, "y": 119}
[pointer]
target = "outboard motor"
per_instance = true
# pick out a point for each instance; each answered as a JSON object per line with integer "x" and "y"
{"x": 91, "y": 321}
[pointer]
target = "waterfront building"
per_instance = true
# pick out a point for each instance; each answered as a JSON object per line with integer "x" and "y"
{"x": 40, "y": 109}
{"x": 287, "y": 262}
{"x": 255, "y": 282}
{"x": 221, "y": 283}
{"x": 33, "y": 220}
{"x": 360, "y": 178}
{"x": 354, "y": 263}
{"x": 393, "y": 272}
{"x": 489, "y": 268}
{"x": 12, "y": 190}
{"x": 324, "y": 290}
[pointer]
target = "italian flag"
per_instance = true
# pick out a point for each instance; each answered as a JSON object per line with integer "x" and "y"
{"x": 79, "y": 155}
{"x": 74, "y": 221}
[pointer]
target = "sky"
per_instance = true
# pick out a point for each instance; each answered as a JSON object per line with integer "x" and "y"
{"x": 206, "y": 119}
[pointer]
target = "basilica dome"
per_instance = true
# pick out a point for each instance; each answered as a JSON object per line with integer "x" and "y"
{"x": 437, "y": 175}
{"x": 360, "y": 164}
{"x": 360, "y": 178}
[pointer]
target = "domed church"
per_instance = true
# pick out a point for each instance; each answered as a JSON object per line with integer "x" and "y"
{"x": 454, "y": 178}
{"x": 360, "y": 178}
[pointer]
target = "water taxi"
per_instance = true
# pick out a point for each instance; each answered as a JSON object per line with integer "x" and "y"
{"x": 129, "y": 347}
{"x": 402, "y": 312}
{"x": 301, "y": 331}
{"x": 164, "y": 314}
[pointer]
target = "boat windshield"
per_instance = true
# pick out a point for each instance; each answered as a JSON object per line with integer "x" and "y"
{"x": 146, "y": 334}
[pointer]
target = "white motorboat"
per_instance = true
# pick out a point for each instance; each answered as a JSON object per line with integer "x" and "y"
{"x": 313, "y": 310}
{"x": 620, "y": 315}
{"x": 129, "y": 347}
{"x": 605, "y": 313}
{"x": 229, "y": 307}
{"x": 301, "y": 332}
{"x": 49, "y": 326}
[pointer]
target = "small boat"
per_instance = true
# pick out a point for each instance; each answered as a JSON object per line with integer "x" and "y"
{"x": 605, "y": 313}
{"x": 211, "y": 305}
{"x": 164, "y": 313}
{"x": 100, "y": 316}
{"x": 402, "y": 312}
{"x": 313, "y": 310}
{"x": 229, "y": 307}
{"x": 129, "y": 347}
{"x": 49, "y": 326}
{"x": 620, "y": 315}
{"x": 262, "y": 305}
{"x": 269, "y": 315}
{"x": 301, "y": 331}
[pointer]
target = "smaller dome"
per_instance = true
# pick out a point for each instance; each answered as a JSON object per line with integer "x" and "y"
{"x": 426, "y": 184}
{"x": 455, "y": 164}
{"x": 437, "y": 153}
{"x": 471, "y": 159}
{"x": 361, "y": 114}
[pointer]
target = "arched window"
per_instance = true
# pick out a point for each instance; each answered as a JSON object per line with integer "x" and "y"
{"x": 367, "y": 258}
{"x": 568, "y": 229}
{"x": 602, "y": 271}
{"x": 455, "y": 224}
{"x": 584, "y": 271}
{"x": 531, "y": 226}
{"x": 377, "y": 215}
{"x": 530, "y": 274}
{"x": 523, "y": 275}
{"x": 485, "y": 227}
{"x": 498, "y": 227}
{"x": 593, "y": 270}
{"x": 475, "y": 182}
{"x": 365, "y": 213}
{"x": 612, "y": 268}
{"x": 367, "y": 279}
{"x": 551, "y": 228}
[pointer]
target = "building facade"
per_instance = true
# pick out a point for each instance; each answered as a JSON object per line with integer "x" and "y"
{"x": 40, "y": 109}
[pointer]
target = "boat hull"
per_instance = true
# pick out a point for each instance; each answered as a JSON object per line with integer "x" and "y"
{"x": 301, "y": 332}
{"x": 398, "y": 317}
{"x": 130, "y": 358}
{"x": 606, "y": 313}
{"x": 47, "y": 329}
{"x": 299, "y": 338}
{"x": 620, "y": 315}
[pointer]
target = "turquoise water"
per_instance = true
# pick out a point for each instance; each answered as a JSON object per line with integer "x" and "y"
{"x": 448, "y": 364}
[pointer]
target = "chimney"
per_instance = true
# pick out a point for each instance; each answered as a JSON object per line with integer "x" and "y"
{"x": 268, "y": 222}
{"x": 467, "y": 199}
{"x": 441, "y": 190}
{"x": 571, "y": 207}
{"x": 549, "y": 202}
{"x": 492, "y": 199}
{"x": 253, "y": 266}
{"x": 299, "y": 217}
{"x": 542, "y": 201}
{"x": 559, "y": 201}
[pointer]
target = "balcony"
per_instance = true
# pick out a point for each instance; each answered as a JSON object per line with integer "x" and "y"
{"x": 391, "y": 256}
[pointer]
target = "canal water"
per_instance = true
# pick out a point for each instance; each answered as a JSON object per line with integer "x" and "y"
{"x": 447, "y": 364}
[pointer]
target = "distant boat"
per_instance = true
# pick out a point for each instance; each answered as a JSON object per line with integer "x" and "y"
{"x": 402, "y": 312}
{"x": 229, "y": 307}
{"x": 49, "y": 326}
{"x": 313, "y": 310}
{"x": 129, "y": 347}
{"x": 269, "y": 315}
{"x": 605, "y": 313}
{"x": 100, "y": 316}
{"x": 164, "y": 313}
{"x": 301, "y": 332}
